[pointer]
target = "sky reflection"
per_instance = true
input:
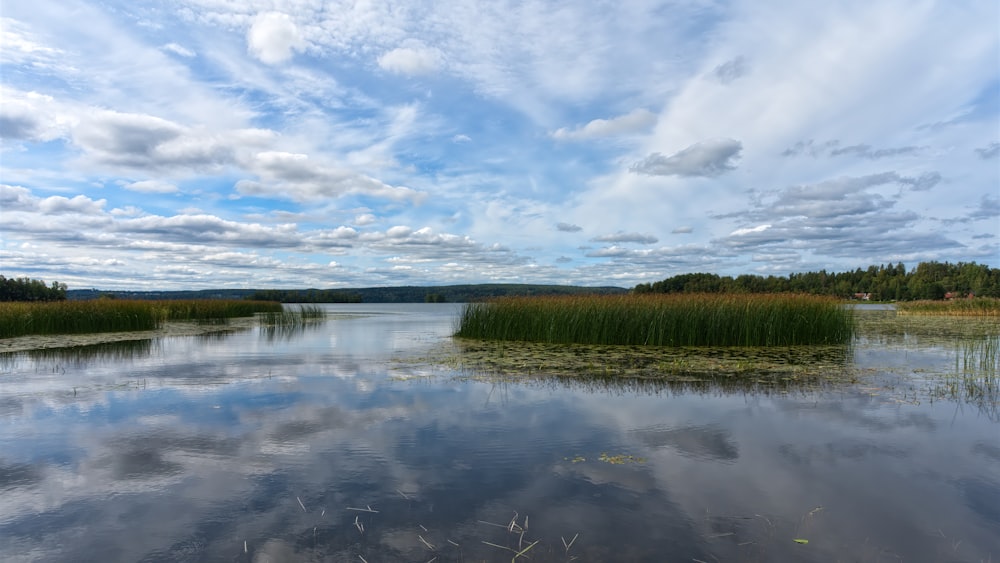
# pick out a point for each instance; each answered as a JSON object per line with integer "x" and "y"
{"x": 194, "y": 449}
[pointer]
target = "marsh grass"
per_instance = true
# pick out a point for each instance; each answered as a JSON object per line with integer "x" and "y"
{"x": 975, "y": 307}
{"x": 112, "y": 315}
{"x": 284, "y": 317}
{"x": 288, "y": 323}
{"x": 976, "y": 379}
{"x": 662, "y": 320}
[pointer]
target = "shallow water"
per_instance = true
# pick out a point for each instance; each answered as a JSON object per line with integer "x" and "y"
{"x": 368, "y": 437}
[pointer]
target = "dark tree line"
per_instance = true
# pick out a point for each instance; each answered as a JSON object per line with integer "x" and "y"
{"x": 929, "y": 280}
{"x": 305, "y": 296}
{"x": 24, "y": 289}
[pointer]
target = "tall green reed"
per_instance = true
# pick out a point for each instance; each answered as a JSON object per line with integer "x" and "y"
{"x": 662, "y": 320}
{"x": 114, "y": 315}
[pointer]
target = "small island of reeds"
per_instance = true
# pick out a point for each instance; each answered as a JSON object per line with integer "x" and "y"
{"x": 662, "y": 320}
{"x": 965, "y": 307}
{"x": 118, "y": 315}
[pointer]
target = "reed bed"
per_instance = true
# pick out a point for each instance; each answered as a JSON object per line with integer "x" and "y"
{"x": 114, "y": 315}
{"x": 975, "y": 307}
{"x": 662, "y": 320}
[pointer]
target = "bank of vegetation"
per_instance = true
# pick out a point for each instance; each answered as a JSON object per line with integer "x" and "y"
{"x": 662, "y": 320}
{"x": 980, "y": 307}
{"x": 928, "y": 281}
{"x": 25, "y": 289}
{"x": 117, "y": 315}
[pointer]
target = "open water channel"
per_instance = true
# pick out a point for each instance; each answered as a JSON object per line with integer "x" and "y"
{"x": 368, "y": 437}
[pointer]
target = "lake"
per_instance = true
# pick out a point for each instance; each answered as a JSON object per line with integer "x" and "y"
{"x": 373, "y": 436}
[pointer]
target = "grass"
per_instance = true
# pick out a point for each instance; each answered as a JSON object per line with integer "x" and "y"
{"x": 288, "y": 317}
{"x": 662, "y": 320}
{"x": 975, "y": 307}
{"x": 113, "y": 315}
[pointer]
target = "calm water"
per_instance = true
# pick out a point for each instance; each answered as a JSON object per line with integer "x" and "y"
{"x": 340, "y": 443}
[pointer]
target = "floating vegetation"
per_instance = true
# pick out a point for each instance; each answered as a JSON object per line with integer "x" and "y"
{"x": 948, "y": 358}
{"x": 620, "y": 459}
{"x": 662, "y": 320}
{"x": 972, "y": 307}
{"x": 114, "y": 315}
{"x": 736, "y": 368}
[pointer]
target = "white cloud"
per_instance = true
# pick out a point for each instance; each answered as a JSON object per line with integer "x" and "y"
{"x": 365, "y": 219}
{"x": 179, "y": 50}
{"x": 411, "y": 61}
{"x": 151, "y": 186}
{"x": 707, "y": 158}
{"x": 294, "y": 176}
{"x": 748, "y": 230}
{"x": 636, "y": 121}
{"x": 273, "y": 37}
{"x": 627, "y": 237}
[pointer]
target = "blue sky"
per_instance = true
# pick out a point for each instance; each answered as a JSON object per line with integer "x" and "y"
{"x": 193, "y": 144}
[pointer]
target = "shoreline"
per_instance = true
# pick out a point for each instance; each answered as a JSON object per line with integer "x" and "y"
{"x": 169, "y": 329}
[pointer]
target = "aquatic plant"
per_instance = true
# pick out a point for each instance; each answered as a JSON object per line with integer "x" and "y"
{"x": 974, "y": 307}
{"x": 116, "y": 315}
{"x": 283, "y": 317}
{"x": 662, "y": 320}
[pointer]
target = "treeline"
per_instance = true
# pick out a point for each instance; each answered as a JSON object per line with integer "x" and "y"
{"x": 423, "y": 294}
{"x": 305, "y": 296}
{"x": 929, "y": 280}
{"x": 24, "y": 289}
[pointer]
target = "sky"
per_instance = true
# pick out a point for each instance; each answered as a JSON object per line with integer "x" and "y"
{"x": 195, "y": 144}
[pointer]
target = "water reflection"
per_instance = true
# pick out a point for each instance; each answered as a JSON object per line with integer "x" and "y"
{"x": 354, "y": 440}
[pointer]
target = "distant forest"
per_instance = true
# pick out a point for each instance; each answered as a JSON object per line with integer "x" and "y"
{"x": 396, "y": 294}
{"x": 929, "y": 280}
{"x": 423, "y": 294}
{"x": 24, "y": 289}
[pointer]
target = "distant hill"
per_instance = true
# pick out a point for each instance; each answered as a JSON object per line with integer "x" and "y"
{"x": 398, "y": 294}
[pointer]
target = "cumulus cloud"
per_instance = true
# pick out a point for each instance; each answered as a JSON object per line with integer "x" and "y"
{"x": 568, "y": 227}
{"x": 636, "y": 121}
{"x": 365, "y": 219}
{"x": 204, "y": 228}
{"x": 273, "y": 37}
{"x": 707, "y": 158}
{"x": 411, "y": 61}
{"x": 30, "y": 116}
{"x": 17, "y": 198}
{"x": 145, "y": 142}
{"x": 844, "y": 217}
{"x": 682, "y": 230}
{"x": 294, "y": 176}
{"x": 627, "y": 237}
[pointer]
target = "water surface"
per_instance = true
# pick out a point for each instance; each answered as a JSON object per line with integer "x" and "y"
{"x": 350, "y": 440}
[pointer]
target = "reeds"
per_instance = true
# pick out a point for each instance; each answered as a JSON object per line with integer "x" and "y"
{"x": 114, "y": 315}
{"x": 662, "y": 320}
{"x": 305, "y": 313}
{"x": 974, "y": 307}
